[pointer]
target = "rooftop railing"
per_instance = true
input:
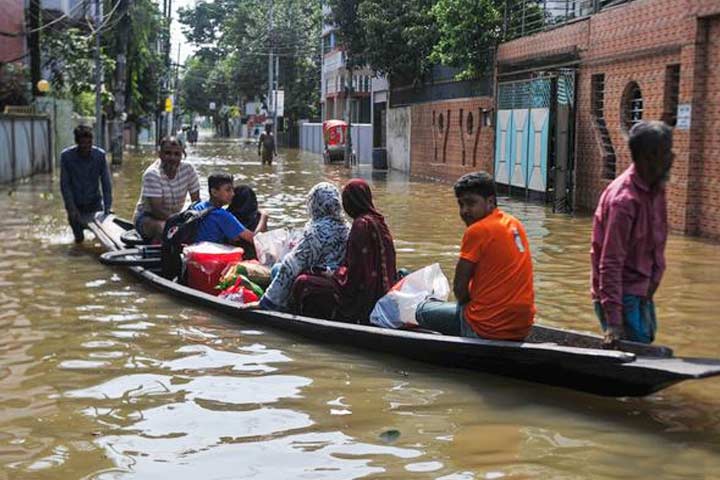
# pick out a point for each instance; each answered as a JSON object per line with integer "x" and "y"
{"x": 526, "y": 17}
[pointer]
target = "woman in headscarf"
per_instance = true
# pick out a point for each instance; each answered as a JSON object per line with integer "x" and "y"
{"x": 321, "y": 248}
{"x": 244, "y": 207}
{"x": 368, "y": 269}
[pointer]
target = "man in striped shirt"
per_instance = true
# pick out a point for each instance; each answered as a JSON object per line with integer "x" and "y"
{"x": 165, "y": 186}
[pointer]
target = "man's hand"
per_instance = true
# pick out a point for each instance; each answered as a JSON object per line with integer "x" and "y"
{"x": 613, "y": 335}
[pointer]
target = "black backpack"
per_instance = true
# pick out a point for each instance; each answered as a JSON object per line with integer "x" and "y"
{"x": 180, "y": 230}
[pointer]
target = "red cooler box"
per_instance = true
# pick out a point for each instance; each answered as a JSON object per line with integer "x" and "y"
{"x": 205, "y": 262}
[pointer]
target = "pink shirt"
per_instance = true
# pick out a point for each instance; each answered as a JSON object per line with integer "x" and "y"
{"x": 628, "y": 242}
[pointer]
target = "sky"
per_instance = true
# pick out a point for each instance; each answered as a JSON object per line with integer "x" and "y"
{"x": 186, "y": 49}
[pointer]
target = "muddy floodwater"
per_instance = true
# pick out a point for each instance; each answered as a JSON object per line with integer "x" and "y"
{"x": 103, "y": 378}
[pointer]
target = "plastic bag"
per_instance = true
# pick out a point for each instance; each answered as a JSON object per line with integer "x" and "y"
{"x": 256, "y": 273}
{"x": 397, "y": 308}
{"x": 272, "y": 246}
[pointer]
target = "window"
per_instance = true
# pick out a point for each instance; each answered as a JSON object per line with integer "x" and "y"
{"x": 632, "y": 106}
{"x": 672, "y": 94}
{"x": 598, "y": 111}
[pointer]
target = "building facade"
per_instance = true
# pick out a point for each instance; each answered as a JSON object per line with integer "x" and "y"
{"x": 12, "y": 24}
{"x": 642, "y": 59}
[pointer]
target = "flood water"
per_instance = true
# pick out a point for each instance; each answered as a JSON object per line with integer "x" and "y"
{"x": 103, "y": 378}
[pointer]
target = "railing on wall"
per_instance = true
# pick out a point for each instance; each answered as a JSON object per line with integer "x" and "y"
{"x": 526, "y": 17}
{"x": 25, "y": 146}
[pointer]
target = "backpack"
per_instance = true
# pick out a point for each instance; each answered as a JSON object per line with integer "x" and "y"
{"x": 180, "y": 230}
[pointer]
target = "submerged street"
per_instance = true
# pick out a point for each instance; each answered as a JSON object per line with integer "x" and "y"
{"x": 103, "y": 378}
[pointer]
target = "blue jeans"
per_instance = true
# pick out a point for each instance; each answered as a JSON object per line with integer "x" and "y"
{"x": 444, "y": 317}
{"x": 639, "y": 320}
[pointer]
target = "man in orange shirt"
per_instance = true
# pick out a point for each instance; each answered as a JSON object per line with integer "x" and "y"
{"x": 493, "y": 277}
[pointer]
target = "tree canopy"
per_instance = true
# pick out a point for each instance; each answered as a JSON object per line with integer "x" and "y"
{"x": 234, "y": 39}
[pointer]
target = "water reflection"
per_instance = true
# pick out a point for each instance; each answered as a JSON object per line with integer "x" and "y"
{"x": 101, "y": 377}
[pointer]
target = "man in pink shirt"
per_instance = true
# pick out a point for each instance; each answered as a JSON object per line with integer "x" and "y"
{"x": 628, "y": 238}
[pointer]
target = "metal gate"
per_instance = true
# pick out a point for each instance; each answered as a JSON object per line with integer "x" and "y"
{"x": 522, "y": 134}
{"x": 533, "y": 134}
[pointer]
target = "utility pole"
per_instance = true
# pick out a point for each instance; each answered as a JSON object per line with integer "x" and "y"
{"x": 271, "y": 80}
{"x": 119, "y": 104}
{"x": 98, "y": 76}
{"x": 275, "y": 93}
{"x": 348, "y": 114}
{"x": 34, "y": 44}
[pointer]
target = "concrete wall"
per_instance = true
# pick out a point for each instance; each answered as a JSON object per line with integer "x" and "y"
{"x": 24, "y": 146}
{"x": 399, "y": 125}
{"x": 636, "y": 42}
{"x": 60, "y": 113}
{"x": 311, "y": 140}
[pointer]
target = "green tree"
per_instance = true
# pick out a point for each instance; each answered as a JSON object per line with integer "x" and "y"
{"x": 468, "y": 31}
{"x": 400, "y": 35}
{"x": 235, "y": 41}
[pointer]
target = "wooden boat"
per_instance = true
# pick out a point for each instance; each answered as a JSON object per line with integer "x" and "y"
{"x": 549, "y": 356}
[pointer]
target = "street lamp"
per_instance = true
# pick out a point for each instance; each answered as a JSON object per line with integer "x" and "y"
{"x": 43, "y": 86}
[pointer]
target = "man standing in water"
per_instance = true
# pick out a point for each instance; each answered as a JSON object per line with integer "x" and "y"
{"x": 266, "y": 145}
{"x": 82, "y": 169}
{"x": 628, "y": 238}
{"x": 165, "y": 186}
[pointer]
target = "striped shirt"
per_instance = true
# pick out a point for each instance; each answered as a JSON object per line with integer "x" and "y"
{"x": 173, "y": 191}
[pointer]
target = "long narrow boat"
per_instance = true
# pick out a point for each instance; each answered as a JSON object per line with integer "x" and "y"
{"x": 549, "y": 355}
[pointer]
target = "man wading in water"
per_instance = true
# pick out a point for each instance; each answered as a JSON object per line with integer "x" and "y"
{"x": 82, "y": 168}
{"x": 266, "y": 146}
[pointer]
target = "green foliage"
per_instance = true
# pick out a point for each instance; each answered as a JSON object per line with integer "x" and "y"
{"x": 234, "y": 40}
{"x": 400, "y": 37}
{"x": 145, "y": 64}
{"x": 13, "y": 85}
{"x": 84, "y": 103}
{"x": 70, "y": 61}
{"x": 350, "y": 30}
{"x": 468, "y": 30}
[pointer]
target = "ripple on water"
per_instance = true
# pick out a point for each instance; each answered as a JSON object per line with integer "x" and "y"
{"x": 317, "y": 455}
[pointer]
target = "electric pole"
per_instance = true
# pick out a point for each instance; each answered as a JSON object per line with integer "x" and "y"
{"x": 34, "y": 44}
{"x": 119, "y": 104}
{"x": 98, "y": 76}
{"x": 271, "y": 80}
{"x": 276, "y": 78}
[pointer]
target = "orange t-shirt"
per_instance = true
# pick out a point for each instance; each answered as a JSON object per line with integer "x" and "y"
{"x": 502, "y": 300}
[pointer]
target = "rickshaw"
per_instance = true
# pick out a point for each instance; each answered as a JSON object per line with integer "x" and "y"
{"x": 334, "y": 137}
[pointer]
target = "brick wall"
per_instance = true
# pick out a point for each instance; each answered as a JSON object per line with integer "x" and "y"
{"x": 11, "y": 21}
{"x": 635, "y": 42}
{"x": 448, "y": 140}
{"x": 709, "y": 171}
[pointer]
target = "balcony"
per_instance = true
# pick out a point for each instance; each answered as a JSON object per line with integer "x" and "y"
{"x": 526, "y": 17}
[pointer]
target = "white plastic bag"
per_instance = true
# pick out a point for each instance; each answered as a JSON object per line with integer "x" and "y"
{"x": 272, "y": 246}
{"x": 397, "y": 308}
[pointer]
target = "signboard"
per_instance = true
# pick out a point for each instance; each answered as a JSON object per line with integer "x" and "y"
{"x": 169, "y": 104}
{"x": 280, "y": 95}
{"x": 684, "y": 116}
{"x": 212, "y": 106}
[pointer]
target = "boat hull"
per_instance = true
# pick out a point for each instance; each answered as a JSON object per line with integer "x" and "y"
{"x": 592, "y": 370}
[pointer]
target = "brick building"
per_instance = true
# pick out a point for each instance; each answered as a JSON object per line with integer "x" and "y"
{"x": 566, "y": 93}
{"x": 12, "y": 23}
{"x": 640, "y": 59}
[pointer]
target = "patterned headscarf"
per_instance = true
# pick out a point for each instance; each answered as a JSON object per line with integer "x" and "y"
{"x": 322, "y": 245}
{"x": 323, "y": 201}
